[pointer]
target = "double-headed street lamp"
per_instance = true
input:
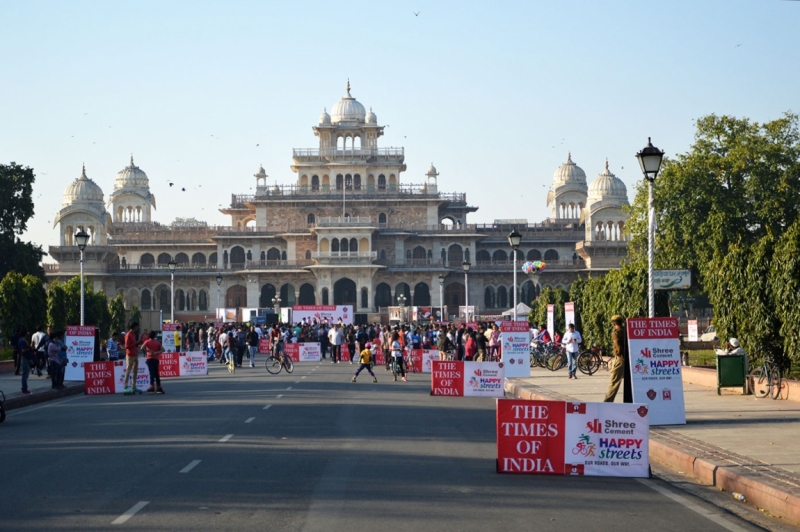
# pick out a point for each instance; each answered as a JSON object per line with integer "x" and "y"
{"x": 465, "y": 266}
{"x": 81, "y": 239}
{"x": 401, "y": 302}
{"x": 276, "y": 306}
{"x": 650, "y": 161}
{"x": 171, "y": 265}
{"x": 514, "y": 240}
{"x": 219, "y": 283}
{"x": 441, "y": 298}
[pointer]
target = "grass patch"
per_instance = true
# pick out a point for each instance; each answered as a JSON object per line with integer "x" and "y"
{"x": 703, "y": 357}
{"x": 6, "y": 353}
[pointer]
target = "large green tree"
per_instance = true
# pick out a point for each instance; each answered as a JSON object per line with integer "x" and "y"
{"x": 64, "y": 305}
{"x": 16, "y": 208}
{"x": 117, "y": 309}
{"x": 23, "y": 303}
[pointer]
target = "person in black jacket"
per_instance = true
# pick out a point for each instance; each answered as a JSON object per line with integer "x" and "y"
{"x": 252, "y": 344}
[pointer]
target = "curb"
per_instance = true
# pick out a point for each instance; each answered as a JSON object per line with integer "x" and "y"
{"x": 41, "y": 397}
{"x": 763, "y": 486}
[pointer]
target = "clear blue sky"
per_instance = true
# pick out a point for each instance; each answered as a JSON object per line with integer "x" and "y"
{"x": 494, "y": 93}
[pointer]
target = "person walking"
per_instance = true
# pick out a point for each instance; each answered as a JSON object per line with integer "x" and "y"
{"x": 443, "y": 343}
{"x": 26, "y": 359}
{"x": 132, "y": 344}
{"x": 336, "y": 338}
{"x": 39, "y": 342}
{"x": 54, "y": 349}
{"x": 620, "y": 367}
{"x": 252, "y": 344}
{"x": 153, "y": 348}
{"x": 365, "y": 362}
{"x": 351, "y": 343}
{"x": 572, "y": 340}
{"x": 397, "y": 356}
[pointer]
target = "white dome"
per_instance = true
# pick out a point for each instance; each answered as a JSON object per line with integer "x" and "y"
{"x": 131, "y": 177}
{"x": 348, "y": 109}
{"x": 432, "y": 170}
{"x": 261, "y": 172}
{"x": 83, "y": 190}
{"x": 607, "y": 185}
{"x": 569, "y": 172}
{"x": 371, "y": 117}
{"x": 324, "y": 118}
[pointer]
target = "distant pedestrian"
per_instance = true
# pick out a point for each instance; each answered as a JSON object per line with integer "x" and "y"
{"x": 620, "y": 367}
{"x": 397, "y": 355}
{"x": 365, "y": 362}
{"x": 27, "y": 358}
{"x": 252, "y": 344}
{"x": 55, "y": 350}
{"x": 572, "y": 340}
{"x": 132, "y": 344}
{"x": 153, "y": 348}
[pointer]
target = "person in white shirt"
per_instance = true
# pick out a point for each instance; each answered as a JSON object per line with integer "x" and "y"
{"x": 572, "y": 340}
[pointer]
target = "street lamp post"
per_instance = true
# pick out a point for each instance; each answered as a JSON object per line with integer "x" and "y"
{"x": 465, "y": 266}
{"x": 650, "y": 162}
{"x": 219, "y": 283}
{"x": 441, "y": 298}
{"x": 171, "y": 265}
{"x": 81, "y": 239}
{"x": 276, "y": 306}
{"x": 401, "y": 301}
{"x": 514, "y": 239}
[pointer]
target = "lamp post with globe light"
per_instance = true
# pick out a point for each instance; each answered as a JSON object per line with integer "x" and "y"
{"x": 81, "y": 239}
{"x": 441, "y": 298}
{"x": 219, "y": 283}
{"x": 171, "y": 265}
{"x": 650, "y": 162}
{"x": 514, "y": 240}
{"x": 465, "y": 266}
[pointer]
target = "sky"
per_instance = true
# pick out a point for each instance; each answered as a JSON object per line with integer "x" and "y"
{"x": 493, "y": 94}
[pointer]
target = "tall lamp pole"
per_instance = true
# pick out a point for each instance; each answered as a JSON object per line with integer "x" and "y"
{"x": 219, "y": 283}
{"x": 81, "y": 239}
{"x": 465, "y": 266}
{"x": 514, "y": 240}
{"x": 276, "y": 306}
{"x": 401, "y": 301}
{"x": 171, "y": 265}
{"x": 650, "y": 162}
{"x": 441, "y": 298}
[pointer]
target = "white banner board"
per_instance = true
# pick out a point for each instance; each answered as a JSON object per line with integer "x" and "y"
{"x": 655, "y": 361}
{"x": 551, "y": 320}
{"x": 672, "y": 279}
{"x": 691, "y": 326}
{"x": 80, "y": 350}
{"x": 171, "y": 336}
{"x": 515, "y": 348}
{"x": 569, "y": 314}
{"x": 320, "y": 313}
{"x": 483, "y": 379}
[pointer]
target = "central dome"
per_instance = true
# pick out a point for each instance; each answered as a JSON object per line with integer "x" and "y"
{"x": 569, "y": 172}
{"x": 131, "y": 177}
{"x": 607, "y": 185}
{"x": 348, "y": 109}
{"x": 83, "y": 190}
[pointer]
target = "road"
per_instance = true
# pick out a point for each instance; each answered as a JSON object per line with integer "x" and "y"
{"x": 309, "y": 451}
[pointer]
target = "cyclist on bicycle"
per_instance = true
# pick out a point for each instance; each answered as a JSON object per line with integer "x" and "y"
{"x": 397, "y": 356}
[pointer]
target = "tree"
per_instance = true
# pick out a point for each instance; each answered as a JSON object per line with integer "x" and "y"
{"x": 57, "y": 306}
{"x": 136, "y": 316}
{"x": 117, "y": 309}
{"x": 96, "y": 311}
{"x": 22, "y": 302}
{"x": 16, "y": 208}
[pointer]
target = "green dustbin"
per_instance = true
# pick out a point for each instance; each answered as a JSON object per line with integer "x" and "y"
{"x": 731, "y": 372}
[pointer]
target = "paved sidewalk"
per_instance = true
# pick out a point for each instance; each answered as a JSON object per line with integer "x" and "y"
{"x": 40, "y": 387}
{"x": 729, "y": 440}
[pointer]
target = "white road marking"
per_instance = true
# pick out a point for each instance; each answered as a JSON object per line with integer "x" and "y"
{"x": 191, "y": 466}
{"x": 25, "y": 409}
{"x": 289, "y": 388}
{"x": 711, "y": 516}
{"x": 303, "y": 377}
{"x": 226, "y": 438}
{"x": 130, "y": 513}
{"x": 298, "y": 382}
{"x": 267, "y": 407}
{"x": 249, "y": 420}
{"x": 279, "y": 396}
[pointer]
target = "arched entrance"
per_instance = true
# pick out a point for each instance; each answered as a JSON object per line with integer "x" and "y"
{"x": 454, "y": 297}
{"x": 307, "y": 296}
{"x": 287, "y": 295}
{"x": 383, "y": 296}
{"x": 267, "y": 293}
{"x": 344, "y": 292}
{"x": 422, "y": 296}
{"x": 236, "y": 296}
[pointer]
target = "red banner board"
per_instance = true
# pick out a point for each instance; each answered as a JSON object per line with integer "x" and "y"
{"x": 447, "y": 378}
{"x": 263, "y": 345}
{"x": 530, "y": 437}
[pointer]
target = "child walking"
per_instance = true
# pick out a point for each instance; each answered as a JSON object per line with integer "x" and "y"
{"x": 153, "y": 348}
{"x": 365, "y": 361}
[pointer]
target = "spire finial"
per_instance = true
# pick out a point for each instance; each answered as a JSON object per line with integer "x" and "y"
{"x": 348, "y": 88}
{"x": 569, "y": 156}
{"x": 606, "y": 164}
{"x": 131, "y": 159}
{"x": 83, "y": 170}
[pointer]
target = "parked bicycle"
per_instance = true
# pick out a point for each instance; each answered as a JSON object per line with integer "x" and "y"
{"x": 591, "y": 360}
{"x": 766, "y": 379}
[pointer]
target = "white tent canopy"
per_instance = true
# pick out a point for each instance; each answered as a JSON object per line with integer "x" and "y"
{"x": 522, "y": 310}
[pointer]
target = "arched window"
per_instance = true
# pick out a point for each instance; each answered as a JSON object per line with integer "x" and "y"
{"x": 348, "y": 182}
{"x": 408, "y": 254}
{"x": 287, "y": 295}
{"x": 202, "y": 300}
{"x": 163, "y": 259}
{"x": 339, "y": 182}
{"x": 249, "y": 254}
{"x": 182, "y": 258}
{"x": 267, "y": 293}
{"x": 314, "y": 182}
{"x": 147, "y": 300}
{"x": 381, "y": 182}
{"x": 283, "y": 255}
{"x": 147, "y": 260}
{"x": 483, "y": 256}
{"x": 198, "y": 258}
{"x": 212, "y": 259}
{"x": 263, "y": 255}
{"x": 308, "y": 254}
{"x": 273, "y": 254}
{"x": 488, "y": 297}
{"x": 455, "y": 254}
{"x": 325, "y": 298}
{"x": 382, "y": 218}
{"x": 502, "y": 297}
{"x": 383, "y": 296}
{"x": 364, "y": 298}
{"x": 353, "y": 244}
{"x": 422, "y": 295}
{"x": 357, "y": 181}
{"x": 550, "y": 254}
{"x": 383, "y": 254}
{"x": 499, "y": 256}
{"x": 344, "y": 244}
{"x": 310, "y": 219}
{"x": 335, "y": 245}
{"x": 237, "y": 255}
{"x": 419, "y": 253}
{"x": 466, "y": 254}
{"x": 307, "y": 296}
{"x": 225, "y": 257}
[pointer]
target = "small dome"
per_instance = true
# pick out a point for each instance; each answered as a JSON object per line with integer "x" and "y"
{"x": 131, "y": 177}
{"x": 83, "y": 190}
{"x": 325, "y": 118}
{"x": 261, "y": 172}
{"x": 569, "y": 172}
{"x": 348, "y": 109}
{"x": 432, "y": 170}
{"x": 607, "y": 185}
{"x": 371, "y": 117}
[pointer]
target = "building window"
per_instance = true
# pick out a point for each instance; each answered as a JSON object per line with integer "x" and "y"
{"x": 382, "y": 218}
{"x": 310, "y": 219}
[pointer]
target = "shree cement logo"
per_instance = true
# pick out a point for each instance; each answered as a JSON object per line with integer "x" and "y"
{"x": 485, "y": 379}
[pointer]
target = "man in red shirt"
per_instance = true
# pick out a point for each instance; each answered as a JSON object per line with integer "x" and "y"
{"x": 153, "y": 348}
{"x": 132, "y": 358}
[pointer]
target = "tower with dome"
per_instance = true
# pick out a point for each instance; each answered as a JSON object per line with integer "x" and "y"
{"x": 348, "y": 228}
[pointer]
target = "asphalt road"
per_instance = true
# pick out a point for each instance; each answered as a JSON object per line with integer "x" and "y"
{"x": 309, "y": 451}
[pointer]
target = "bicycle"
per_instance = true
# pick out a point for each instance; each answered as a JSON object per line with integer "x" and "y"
{"x": 396, "y": 367}
{"x": 591, "y": 360}
{"x": 766, "y": 380}
{"x": 410, "y": 367}
{"x": 275, "y": 364}
{"x": 231, "y": 362}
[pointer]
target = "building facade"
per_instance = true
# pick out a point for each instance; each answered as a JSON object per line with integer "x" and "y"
{"x": 349, "y": 230}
